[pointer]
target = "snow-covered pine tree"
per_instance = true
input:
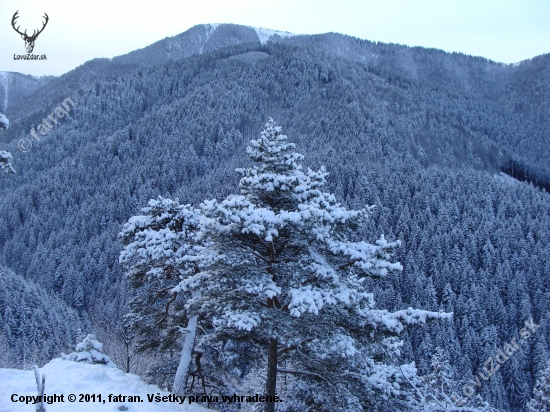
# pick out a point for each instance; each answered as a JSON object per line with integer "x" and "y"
{"x": 540, "y": 402}
{"x": 89, "y": 351}
{"x": 4, "y": 122}
{"x": 5, "y": 157}
{"x": 284, "y": 271}
{"x": 5, "y": 162}
{"x": 160, "y": 249}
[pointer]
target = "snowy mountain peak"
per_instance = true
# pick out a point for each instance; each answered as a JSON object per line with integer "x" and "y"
{"x": 263, "y": 34}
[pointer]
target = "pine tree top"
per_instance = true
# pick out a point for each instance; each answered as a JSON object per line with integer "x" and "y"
{"x": 273, "y": 152}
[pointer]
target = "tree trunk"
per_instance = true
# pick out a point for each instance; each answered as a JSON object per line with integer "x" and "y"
{"x": 271, "y": 381}
{"x": 180, "y": 381}
{"x": 41, "y": 385}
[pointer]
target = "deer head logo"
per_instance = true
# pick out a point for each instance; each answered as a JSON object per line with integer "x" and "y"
{"x": 29, "y": 40}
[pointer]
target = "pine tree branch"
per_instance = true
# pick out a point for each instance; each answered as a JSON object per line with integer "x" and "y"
{"x": 293, "y": 347}
{"x": 167, "y": 308}
{"x": 346, "y": 265}
{"x": 202, "y": 329}
{"x": 285, "y": 260}
{"x": 311, "y": 374}
{"x": 309, "y": 281}
{"x": 253, "y": 252}
{"x": 157, "y": 296}
{"x": 308, "y": 358}
{"x": 295, "y": 372}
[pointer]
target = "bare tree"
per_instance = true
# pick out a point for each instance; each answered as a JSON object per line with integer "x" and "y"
{"x": 118, "y": 341}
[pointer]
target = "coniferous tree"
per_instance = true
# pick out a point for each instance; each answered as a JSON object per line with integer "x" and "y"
{"x": 89, "y": 351}
{"x": 283, "y": 271}
{"x": 5, "y": 162}
{"x": 159, "y": 251}
{"x": 540, "y": 356}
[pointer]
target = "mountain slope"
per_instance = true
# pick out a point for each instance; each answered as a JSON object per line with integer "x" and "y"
{"x": 204, "y": 38}
{"x": 34, "y": 325}
{"x": 14, "y": 87}
{"x": 412, "y": 71}
{"x": 420, "y": 133}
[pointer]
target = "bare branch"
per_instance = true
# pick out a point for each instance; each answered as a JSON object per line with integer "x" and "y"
{"x": 167, "y": 307}
{"x": 253, "y": 252}
{"x": 158, "y": 296}
{"x": 295, "y": 372}
{"x": 293, "y": 347}
{"x": 346, "y": 265}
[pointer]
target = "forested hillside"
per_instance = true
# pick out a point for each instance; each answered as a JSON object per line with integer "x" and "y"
{"x": 36, "y": 325}
{"x": 453, "y": 149}
{"x": 15, "y": 87}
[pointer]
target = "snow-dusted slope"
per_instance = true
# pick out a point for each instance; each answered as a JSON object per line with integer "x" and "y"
{"x": 265, "y": 34}
{"x": 210, "y": 28}
{"x": 203, "y": 38}
{"x": 15, "y": 87}
{"x": 200, "y": 39}
{"x": 65, "y": 377}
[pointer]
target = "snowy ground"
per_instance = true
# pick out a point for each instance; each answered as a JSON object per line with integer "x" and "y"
{"x": 66, "y": 377}
{"x": 504, "y": 178}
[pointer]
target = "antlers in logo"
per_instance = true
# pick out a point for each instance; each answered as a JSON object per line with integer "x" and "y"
{"x": 29, "y": 40}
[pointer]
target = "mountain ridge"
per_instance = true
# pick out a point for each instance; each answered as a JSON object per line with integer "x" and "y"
{"x": 402, "y": 65}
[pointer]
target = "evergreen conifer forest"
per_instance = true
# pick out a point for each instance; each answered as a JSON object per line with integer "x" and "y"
{"x": 354, "y": 226}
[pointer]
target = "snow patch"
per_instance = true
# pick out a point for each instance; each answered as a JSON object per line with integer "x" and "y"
{"x": 507, "y": 179}
{"x": 65, "y": 377}
{"x": 265, "y": 34}
{"x": 4, "y": 122}
{"x": 210, "y": 28}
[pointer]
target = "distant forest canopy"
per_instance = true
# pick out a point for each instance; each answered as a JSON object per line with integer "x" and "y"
{"x": 421, "y": 133}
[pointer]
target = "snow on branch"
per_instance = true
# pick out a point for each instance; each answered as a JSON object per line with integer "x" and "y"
{"x": 5, "y": 162}
{"x": 371, "y": 259}
{"x": 5, "y": 157}
{"x": 4, "y": 122}
{"x": 396, "y": 321}
{"x": 162, "y": 237}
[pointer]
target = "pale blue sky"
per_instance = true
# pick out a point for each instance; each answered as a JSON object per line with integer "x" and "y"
{"x": 506, "y": 31}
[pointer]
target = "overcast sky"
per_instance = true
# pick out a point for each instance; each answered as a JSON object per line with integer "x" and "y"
{"x": 506, "y": 31}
